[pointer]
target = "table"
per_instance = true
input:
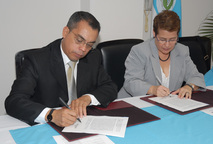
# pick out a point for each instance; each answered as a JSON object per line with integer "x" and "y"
{"x": 7, "y": 123}
{"x": 193, "y": 128}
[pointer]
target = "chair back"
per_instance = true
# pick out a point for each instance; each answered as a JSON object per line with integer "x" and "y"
{"x": 200, "y": 51}
{"x": 19, "y": 59}
{"x": 114, "y": 54}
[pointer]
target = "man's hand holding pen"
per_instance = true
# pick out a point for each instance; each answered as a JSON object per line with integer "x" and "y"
{"x": 64, "y": 117}
{"x": 68, "y": 115}
{"x": 80, "y": 105}
{"x": 63, "y": 102}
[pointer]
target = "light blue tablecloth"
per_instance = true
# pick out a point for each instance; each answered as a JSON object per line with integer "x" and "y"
{"x": 193, "y": 128}
{"x": 38, "y": 134}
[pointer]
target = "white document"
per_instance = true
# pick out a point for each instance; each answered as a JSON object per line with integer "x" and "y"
{"x": 208, "y": 111}
{"x": 182, "y": 105}
{"x": 137, "y": 102}
{"x": 210, "y": 87}
{"x": 97, "y": 139}
{"x": 106, "y": 125}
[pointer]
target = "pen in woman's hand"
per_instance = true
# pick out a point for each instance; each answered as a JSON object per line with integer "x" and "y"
{"x": 67, "y": 106}
{"x": 159, "y": 81}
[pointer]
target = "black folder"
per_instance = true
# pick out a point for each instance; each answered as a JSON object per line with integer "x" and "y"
{"x": 201, "y": 96}
{"x": 119, "y": 108}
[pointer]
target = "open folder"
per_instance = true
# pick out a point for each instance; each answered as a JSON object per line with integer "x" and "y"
{"x": 204, "y": 99}
{"x": 119, "y": 108}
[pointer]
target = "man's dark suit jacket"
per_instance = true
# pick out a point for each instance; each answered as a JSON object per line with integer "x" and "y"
{"x": 43, "y": 79}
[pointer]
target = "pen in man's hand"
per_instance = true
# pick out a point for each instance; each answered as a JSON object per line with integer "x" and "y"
{"x": 67, "y": 106}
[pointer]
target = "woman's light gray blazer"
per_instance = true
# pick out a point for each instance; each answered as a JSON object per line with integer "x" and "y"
{"x": 143, "y": 69}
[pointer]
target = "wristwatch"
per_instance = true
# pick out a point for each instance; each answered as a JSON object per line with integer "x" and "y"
{"x": 190, "y": 85}
{"x": 49, "y": 116}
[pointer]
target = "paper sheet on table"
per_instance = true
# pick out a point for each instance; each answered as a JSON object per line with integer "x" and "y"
{"x": 37, "y": 134}
{"x": 137, "y": 102}
{"x": 179, "y": 104}
{"x": 97, "y": 139}
{"x": 208, "y": 111}
{"x": 106, "y": 125}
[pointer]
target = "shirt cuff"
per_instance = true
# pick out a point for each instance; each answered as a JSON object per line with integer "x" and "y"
{"x": 94, "y": 101}
{"x": 41, "y": 117}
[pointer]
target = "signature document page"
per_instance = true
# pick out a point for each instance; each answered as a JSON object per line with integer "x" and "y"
{"x": 106, "y": 125}
{"x": 97, "y": 139}
{"x": 179, "y": 104}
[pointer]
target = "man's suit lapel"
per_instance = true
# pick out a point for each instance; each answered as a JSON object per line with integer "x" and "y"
{"x": 81, "y": 75}
{"x": 58, "y": 69}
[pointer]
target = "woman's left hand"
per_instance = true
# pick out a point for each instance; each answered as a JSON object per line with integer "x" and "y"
{"x": 185, "y": 91}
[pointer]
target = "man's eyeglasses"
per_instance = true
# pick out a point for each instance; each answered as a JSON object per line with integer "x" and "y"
{"x": 171, "y": 41}
{"x": 81, "y": 41}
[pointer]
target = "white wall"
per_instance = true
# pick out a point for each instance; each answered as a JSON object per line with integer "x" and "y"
{"x": 29, "y": 24}
{"x": 119, "y": 18}
{"x": 193, "y": 13}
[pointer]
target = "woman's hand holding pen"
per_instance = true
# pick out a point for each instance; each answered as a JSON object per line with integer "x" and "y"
{"x": 159, "y": 91}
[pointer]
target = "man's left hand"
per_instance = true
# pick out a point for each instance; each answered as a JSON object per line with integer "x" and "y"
{"x": 80, "y": 105}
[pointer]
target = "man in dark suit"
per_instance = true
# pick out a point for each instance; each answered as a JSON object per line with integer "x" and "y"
{"x": 35, "y": 93}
